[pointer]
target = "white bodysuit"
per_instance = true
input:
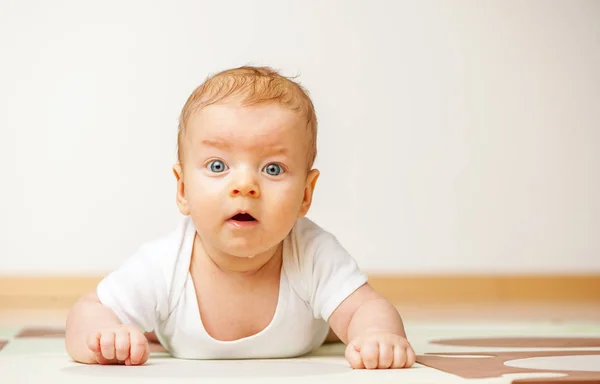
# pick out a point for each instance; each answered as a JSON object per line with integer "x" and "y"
{"x": 153, "y": 290}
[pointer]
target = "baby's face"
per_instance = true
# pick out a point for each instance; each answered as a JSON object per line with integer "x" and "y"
{"x": 245, "y": 175}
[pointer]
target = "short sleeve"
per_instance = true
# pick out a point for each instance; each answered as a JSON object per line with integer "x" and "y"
{"x": 131, "y": 291}
{"x": 335, "y": 275}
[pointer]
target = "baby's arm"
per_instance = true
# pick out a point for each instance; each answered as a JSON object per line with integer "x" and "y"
{"x": 373, "y": 330}
{"x": 95, "y": 335}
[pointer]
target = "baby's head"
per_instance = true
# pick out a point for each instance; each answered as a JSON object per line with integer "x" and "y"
{"x": 252, "y": 86}
{"x": 246, "y": 146}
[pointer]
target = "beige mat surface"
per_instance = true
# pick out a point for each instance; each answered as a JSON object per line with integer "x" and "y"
{"x": 459, "y": 352}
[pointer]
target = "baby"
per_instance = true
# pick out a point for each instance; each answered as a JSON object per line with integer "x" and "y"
{"x": 245, "y": 274}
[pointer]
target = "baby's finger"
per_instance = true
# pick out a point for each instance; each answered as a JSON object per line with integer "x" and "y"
{"x": 121, "y": 344}
{"x": 139, "y": 348}
{"x": 107, "y": 345}
{"x": 399, "y": 356}
{"x": 146, "y": 355}
{"x": 411, "y": 357}
{"x": 386, "y": 355}
{"x": 370, "y": 354}
{"x": 101, "y": 360}
{"x": 93, "y": 341}
{"x": 353, "y": 357}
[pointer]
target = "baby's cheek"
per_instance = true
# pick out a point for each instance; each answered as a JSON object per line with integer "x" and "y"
{"x": 206, "y": 188}
{"x": 205, "y": 205}
{"x": 284, "y": 205}
{"x": 205, "y": 185}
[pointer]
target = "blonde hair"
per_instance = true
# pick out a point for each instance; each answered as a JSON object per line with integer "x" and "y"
{"x": 252, "y": 86}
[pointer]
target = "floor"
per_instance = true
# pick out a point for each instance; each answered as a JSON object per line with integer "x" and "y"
{"x": 455, "y": 343}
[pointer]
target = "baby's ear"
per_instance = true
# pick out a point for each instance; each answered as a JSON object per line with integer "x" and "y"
{"x": 180, "y": 197}
{"x": 309, "y": 189}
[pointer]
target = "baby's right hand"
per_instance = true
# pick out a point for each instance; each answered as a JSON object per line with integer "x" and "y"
{"x": 121, "y": 344}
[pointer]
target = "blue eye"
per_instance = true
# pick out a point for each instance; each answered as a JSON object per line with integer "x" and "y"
{"x": 273, "y": 169}
{"x": 217, "y": 166}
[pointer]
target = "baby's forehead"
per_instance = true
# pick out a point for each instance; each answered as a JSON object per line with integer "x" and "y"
{"x": 249, "y": 130}
{"x": 260, "y": 122}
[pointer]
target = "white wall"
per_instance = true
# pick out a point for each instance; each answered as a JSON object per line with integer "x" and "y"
{"x": 455, "y": 136}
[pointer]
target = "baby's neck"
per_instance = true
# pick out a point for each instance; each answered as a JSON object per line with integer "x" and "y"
{"x": 260, "y": 264}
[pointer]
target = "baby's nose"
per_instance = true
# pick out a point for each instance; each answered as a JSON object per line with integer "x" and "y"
{"x": 245, "y": 191}
{"x": 245, "y": 186}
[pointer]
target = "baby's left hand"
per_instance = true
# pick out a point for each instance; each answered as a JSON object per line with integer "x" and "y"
{"x": 380, "y": 350}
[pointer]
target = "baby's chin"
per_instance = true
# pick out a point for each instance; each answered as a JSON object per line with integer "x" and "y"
{"x": 247, "y": 251}
{"x": 244, "y": 253}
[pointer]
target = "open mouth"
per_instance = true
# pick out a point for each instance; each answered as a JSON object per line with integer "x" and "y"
{"x": 243, "y": 217}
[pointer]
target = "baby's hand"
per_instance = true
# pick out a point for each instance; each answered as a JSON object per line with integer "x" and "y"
{"x": 119, "y": 345}
{"x": 380, "y": 350}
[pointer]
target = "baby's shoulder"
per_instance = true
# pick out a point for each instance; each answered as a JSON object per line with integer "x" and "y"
{"x": 317, "y": 264}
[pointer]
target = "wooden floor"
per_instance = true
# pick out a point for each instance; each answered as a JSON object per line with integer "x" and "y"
{"x": 521, "y": 311}
{"x": 63, "y": 291}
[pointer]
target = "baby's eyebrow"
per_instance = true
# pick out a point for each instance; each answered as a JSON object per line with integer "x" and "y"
{"x": 272, "y": 149}
{"x": 222, "y": 144}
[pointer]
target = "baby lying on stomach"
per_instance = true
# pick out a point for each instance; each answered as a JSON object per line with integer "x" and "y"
{"x": 245, "y": 274}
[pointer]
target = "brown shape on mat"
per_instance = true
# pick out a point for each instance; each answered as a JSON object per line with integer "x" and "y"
{"x": 3, "y": 343}
{"x": 524, "y": 342}
{"x": 41, "y": 332}
{"x": 492, "y": 366}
